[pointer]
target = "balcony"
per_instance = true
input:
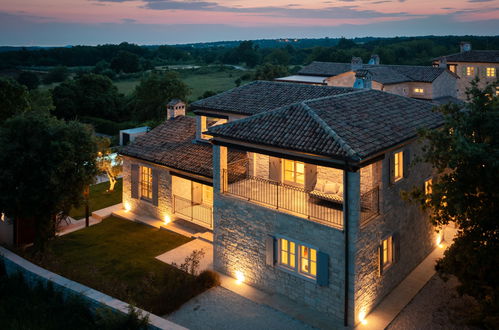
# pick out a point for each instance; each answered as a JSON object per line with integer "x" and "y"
{"x": 186, "y": 209}
{"x": 313, "y": 206}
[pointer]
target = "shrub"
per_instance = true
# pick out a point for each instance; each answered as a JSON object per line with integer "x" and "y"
{"x": 208, "y": 279}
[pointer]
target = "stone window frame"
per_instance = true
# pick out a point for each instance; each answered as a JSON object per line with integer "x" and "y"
{"x": 145, "y": 186}
{"x": 296, "y": 271}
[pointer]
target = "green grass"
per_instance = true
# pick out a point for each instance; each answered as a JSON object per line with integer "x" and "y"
{"x": 117, "y": 257}
{"x": 99, "y": 198}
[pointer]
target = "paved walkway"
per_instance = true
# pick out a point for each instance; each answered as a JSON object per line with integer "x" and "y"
{"x": 179, "y": 254}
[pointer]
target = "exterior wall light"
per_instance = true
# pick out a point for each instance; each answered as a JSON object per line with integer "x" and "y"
{"x": 240, "y": 277}
{"x": 166, "y": 219}
{"x": 362, "y": 318}
{"x": 127, "y": 206}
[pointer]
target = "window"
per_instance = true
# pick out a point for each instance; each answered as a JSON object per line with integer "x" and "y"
{"x": 452, "y": 68}
{"x": 470, "y": 71}
{"x": 427, "y": 186}
{"x": 294, "y": 172}
{"x": 419, "y": 90}
{"x": 491, "y": 72}
{"x": 145, "y": 182}
{"x": 2, "y": 217}
{"x": 398, "y": 166}
{"x": 386, "y": 257}
{"x": 298, "y": 258}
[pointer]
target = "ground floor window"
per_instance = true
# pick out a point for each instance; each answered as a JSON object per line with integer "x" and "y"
{"x": 297, "y": 257}
{"x": 146, "y": 182}
{"x": 388, "y": 252}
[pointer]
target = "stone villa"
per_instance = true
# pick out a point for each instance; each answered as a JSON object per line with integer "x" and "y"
{"x": 300, "y": 185}
{"x": 420, "y": 82}
{"x": 469, "y": 64}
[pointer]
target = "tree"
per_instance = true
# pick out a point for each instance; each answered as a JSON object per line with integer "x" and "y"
{"x": 270, "y": 71}
{"x": 57, "y": 74}
{"x": 45, "y": 164}
{"x": 279, "y": 57}
{"x": 465, "y": 153}
{"x": 41, "y": 100}
{"x": 89, "y": 95}
{"x": 14, "y": 98}
{"x": 28, "y": 79}
{"x": 108, "y": 162}
{"x": 125, "y": 61}
{"x": 154, "y": 91}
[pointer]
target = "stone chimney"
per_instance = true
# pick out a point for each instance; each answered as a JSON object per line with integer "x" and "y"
{"x": 356, "y": 63}
{"x": 465, "y": 46}
{"x": 363, "y": 79}
{"x": 374, "y": 60}
{"x": 442, "y": 62}
{"x": 175, "y": 108}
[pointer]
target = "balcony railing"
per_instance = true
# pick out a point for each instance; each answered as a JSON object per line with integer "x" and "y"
{"x": 310, "y": 205}
{"x": 200, "y": 214}
{"x": 369, "y": 206}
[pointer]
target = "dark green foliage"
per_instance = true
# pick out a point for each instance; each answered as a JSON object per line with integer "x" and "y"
{"x": 41, "y": 307}
{"x": 125, "y": 62}
{"x": 89, "y": 95}
{"x": 41, "y": 100}
{"x": 270, "y": 72}
{"x": 99, "y": 198}
{"x": 208, "y": 279}
{"x": 207, "y": 94}
{"x": 108, "y": 127}
{"x": 28, "y": 79}
{"x": 465, "y": 152}
{"x": 46, "y": 163}
{"x": 14, "y": 99}
{"x": 154, "y": 92}
{"x": 57, "y": 74}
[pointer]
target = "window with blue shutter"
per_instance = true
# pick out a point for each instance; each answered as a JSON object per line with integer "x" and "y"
{"x": 322, "y": 269}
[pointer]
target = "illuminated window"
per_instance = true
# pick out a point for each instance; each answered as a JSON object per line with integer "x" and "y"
{"x": 386, "y": 253}
{"x": 452, "y": 68}
{"x": 419, "y": 90}
{"x": 146, "y": 182}
{"x": 497, "y": 91}
{"x": 308, "y": 261}
{"x": 298, "y": 258}
{"x": 288, "y": 253}
{"x": 470, "y": 71}
{"x": 294, "y": 172}
{"x": 427, "y": 186}
{"x": 491, "y": 72}
{"x": 398, "y": 166}
{"x": 2, "y": 217}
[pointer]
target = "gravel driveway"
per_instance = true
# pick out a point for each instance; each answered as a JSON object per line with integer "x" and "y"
{"x": 219, "y": 308}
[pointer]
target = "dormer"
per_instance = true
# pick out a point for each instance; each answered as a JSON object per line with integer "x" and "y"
{"x": 363, "y": 79}
{"x": 356, "y": 63}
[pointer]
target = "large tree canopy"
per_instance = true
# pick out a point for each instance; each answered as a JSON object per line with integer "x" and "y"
{"x": 465, "y": 152}
{"x": 151, "y": 95}
{"x": 45, "y": 164}
{"x": 14, "y": 98}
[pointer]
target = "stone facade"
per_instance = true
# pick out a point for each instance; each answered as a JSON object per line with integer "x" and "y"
{"x": 480, "y": 71}
{"x": 416, "y": 237}
{"x": 140, "y": 206}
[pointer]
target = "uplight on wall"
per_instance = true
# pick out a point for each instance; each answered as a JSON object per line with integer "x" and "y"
{"x": 362, "y": 317}
{"x": 167, "y": 219}
{"x": 127, "y": 206}
{"x": 439, "y": 239}
{"x": 240, "y": 277}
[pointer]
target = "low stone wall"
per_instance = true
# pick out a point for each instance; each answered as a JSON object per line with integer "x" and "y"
{"x": 34, "y": 274}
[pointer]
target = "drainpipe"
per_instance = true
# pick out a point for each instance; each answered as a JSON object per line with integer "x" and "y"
{"x": 345, "y": 230}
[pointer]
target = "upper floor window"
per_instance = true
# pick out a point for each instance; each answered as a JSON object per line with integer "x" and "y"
{"x": 386, "y": 253}
{"x": 398, "y": 166}
{"x": 146, "y": 182}
{"x": 204, "y": 123}
{"x": 297, "y": 257}
{"x": 2, "y": 217}
{"x": 294, "y": 172}
{"x": 452, "y": 68}
{"x": 419, "y": 90}
{"x": 427, "y": 186}
{"x": 470, "y": 71}
{"x": 491, "y": 72}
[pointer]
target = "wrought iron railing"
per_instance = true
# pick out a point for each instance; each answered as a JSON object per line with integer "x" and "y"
{"x": 311, "y": 205}
{"x": 201, "y": 214}
{"x": 369, "y": 206}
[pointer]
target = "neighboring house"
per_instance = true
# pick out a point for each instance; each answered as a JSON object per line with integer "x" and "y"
{"x": 420, "y": 82}
{"x": 469, "y": 64}
{"x": 302, "y": 189}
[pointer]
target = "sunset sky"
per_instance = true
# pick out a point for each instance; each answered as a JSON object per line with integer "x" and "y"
{"x": 64, "y": 22}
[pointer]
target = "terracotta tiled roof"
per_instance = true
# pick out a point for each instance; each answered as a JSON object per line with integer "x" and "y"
{"x": 171, "y": 144}
{"x": 355, "y": 125}
{"x": 480, "y": 56}
{"x": 262, "y": 96}
{"x": 385, "y": 74}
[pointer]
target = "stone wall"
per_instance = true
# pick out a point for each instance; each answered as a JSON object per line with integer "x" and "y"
{"x": 445, "y": 85}
{"x": 464, "y": 81}
{"x": 241, "y": 230}
{"x": 416, "y": 236}
{"x": 144, "y": 207}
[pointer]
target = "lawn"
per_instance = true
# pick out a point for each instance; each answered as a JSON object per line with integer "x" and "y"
{"x": 99, "y": 198}
{"x": 117, "y": 257}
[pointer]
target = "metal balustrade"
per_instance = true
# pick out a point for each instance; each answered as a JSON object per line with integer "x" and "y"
{"x": 201, "y": 214}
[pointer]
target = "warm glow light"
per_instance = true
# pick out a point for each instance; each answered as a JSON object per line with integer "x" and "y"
{"x": 166, "y": 219}
{"x": 439, "y": 239}
{"x": 239, "y": 276}
{"x": 128, "y": 207}
{"x": 440, "y": 245}
{"x": 362, "y": 317}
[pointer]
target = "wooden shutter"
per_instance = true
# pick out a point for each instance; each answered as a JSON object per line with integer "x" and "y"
{"x": 464, "y": 71}
{"x": 310, "y": 176}
{"x": 391, "y": 168}
{"x": 155, "y": 185}
{"x": 270, "y": 250}
{"x": 396, "y": 247}
{"x": 275, "y": 169}
{"x": 135, "y": 181}
{"x": 380, "y": 259}
{"x": 322, "y": 269}
{"x": 407, "y": 162}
